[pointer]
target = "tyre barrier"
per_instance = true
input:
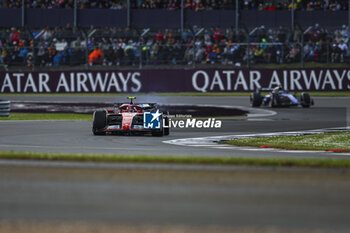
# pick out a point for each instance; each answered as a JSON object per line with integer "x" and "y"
{"x": 5, "y": 108}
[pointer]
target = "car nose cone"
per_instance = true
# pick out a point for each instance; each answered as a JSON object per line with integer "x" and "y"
{"x": 126, "y": 126}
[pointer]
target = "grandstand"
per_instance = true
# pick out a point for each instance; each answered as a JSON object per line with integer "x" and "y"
{"x": 171, "y": 33}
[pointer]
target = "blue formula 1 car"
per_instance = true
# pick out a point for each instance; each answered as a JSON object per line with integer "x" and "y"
{"x": 278, "y": 97}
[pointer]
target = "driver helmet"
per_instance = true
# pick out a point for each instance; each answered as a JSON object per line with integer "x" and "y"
{"x": 280, "y": 89}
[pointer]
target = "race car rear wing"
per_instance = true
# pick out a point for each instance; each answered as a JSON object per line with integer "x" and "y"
{"x": 148, "y": 105}
{"x": 258, "y": 90}
{"x": 266, "y": 89}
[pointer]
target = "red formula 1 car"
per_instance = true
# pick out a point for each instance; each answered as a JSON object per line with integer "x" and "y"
{"x": 131, "y": 119}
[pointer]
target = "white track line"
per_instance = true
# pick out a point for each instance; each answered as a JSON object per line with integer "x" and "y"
{"x": 11, "y": 146}
{"x": 212, "y": 142}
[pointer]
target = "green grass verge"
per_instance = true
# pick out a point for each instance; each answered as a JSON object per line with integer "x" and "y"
{"x": 47, "y": 116}
{"x": 312, "y": 93}
{"x": 275, "y": 162}
{"x": 322, "y": 142}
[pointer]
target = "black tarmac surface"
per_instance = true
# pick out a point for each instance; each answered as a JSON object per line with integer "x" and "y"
{"x": 281, "y": 199}
{"x": 76, "y": 136}
{"x": 266, "y": 199}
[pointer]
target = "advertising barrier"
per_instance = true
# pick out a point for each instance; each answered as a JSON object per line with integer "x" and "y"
{"x": 177, "y": 80}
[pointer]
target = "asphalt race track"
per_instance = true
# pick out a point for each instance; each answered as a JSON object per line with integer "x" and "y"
{"x": 76, "y": 136}
{"x": 248, "y": 200}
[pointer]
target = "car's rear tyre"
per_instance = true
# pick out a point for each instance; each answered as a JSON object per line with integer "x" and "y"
{"x": 255, "y": 99}
{"x": 99, "y": 122}
{"x": 305, "y": 100}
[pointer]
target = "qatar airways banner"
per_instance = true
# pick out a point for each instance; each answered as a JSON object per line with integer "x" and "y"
{"x": 193, "y": 80}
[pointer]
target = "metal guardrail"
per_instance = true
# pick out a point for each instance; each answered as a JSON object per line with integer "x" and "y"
{"x": 5, "y": 108}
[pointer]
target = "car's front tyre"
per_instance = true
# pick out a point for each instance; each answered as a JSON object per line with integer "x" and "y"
{"x": 305, "y": 100}
{"x": 159, "y": 133}
{"x": 99, "y": 122}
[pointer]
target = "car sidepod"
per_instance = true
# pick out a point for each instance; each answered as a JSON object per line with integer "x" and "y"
{"x": 288, "y": 100}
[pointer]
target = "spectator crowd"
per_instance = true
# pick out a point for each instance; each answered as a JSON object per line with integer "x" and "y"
{"x": 70, "y": 46}
{"x": 198, "y": 5}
